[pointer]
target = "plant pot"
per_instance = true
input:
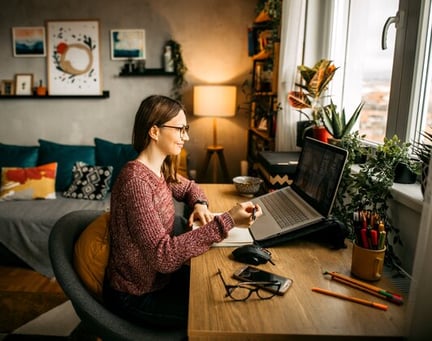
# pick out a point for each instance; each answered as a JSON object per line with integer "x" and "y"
{"x": 404, "y": 175}
{"x": 320, "y": 133}
{"x": 304, "y": 128}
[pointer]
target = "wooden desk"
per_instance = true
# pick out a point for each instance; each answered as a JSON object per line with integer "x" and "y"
{"x": 300, "y": 313}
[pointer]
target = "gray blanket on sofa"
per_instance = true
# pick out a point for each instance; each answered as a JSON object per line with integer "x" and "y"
{"x": 25, "y": 226}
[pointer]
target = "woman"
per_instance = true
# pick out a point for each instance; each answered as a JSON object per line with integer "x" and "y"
{"x": 147, "y": 279}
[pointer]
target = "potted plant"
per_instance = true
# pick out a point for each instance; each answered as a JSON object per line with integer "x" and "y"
{"x": 395, "y": 156}
{"x": 314, "y": 83}
{"x": 368, "y": 188}
{"x": 357, "y": 153}
{"x": 335, "y": 122}
{"x": 423, "y": 150}
{"x": 179, "y": 70}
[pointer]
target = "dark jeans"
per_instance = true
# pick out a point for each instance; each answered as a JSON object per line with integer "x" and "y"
{"x": 166, "y": 308}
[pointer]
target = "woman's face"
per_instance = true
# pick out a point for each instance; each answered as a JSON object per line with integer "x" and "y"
{"x": 173, "y": 134}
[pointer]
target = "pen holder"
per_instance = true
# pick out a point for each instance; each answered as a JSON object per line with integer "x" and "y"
{"x": 367, "y": 264}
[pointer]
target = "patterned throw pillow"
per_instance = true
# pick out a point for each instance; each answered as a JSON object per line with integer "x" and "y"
{"x": 89, "y": 182}
{"x": 28, "y": 183}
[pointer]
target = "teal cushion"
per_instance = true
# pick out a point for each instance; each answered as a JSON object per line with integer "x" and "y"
{"x": 66, "y": 156}
{"x": 113, "y": 154}
{"x": 18, "y": 156}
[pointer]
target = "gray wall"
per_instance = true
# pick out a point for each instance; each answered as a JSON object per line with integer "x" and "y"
{"x": 214, "y": 42}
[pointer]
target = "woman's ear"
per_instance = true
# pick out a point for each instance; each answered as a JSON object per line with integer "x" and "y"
{"x": 154, "y": 133}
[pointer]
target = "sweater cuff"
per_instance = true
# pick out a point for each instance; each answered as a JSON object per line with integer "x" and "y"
{"x": 225, "y": 223}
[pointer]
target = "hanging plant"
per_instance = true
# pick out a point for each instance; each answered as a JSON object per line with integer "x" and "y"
{"x": 179, "y": 70}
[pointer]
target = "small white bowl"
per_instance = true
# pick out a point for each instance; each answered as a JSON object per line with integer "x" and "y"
{"x": 247, "y": 185}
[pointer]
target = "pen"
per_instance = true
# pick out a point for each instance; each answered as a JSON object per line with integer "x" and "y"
{"x": 369, "y": 291}
{"x": 395, "y": 298}
{"x": 253, "y": 213}
{"x": 352, "y": 299}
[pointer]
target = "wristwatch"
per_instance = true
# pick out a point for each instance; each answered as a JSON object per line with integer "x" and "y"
{"x": 201, "y": 202}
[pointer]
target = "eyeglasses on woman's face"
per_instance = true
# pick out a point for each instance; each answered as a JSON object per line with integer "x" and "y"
{"x": 243, "y": 290}
{"x": 183, "y": 130}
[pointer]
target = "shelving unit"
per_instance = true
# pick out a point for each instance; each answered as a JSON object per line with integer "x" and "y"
{"x": 105, "y": 94}
{"x": 264, "y": 50}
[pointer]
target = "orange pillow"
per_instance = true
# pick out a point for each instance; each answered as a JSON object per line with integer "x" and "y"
{"x": 91, "y": 254}
{"x": 28, "y": 183}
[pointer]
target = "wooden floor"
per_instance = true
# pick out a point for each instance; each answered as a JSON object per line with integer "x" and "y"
{"x": 26, "y": 280}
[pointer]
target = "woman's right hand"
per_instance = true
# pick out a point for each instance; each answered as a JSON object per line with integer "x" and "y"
{"x": 244, "y": 214}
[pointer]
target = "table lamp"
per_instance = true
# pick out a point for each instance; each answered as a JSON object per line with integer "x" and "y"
{"x": 215, "y": 101}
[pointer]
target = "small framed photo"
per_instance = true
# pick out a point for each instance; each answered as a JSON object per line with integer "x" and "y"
{"x": 28, "y": 41}
{"x": 128, "y": 44}
{"x": 24, "y": 84}
{"x": 7, "y": 87}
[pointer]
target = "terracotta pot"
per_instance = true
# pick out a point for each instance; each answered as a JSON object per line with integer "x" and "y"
{"x": 41, "y": 91}
{"x": 321, "y": 133}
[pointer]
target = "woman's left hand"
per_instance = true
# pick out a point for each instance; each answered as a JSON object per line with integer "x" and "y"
{"x": 202, "y": 214}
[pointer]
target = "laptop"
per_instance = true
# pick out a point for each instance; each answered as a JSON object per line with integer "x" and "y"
{"x": 309, "y": 199}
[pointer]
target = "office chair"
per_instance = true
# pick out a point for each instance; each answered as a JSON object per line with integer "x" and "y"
{"x": 94, "y": 316}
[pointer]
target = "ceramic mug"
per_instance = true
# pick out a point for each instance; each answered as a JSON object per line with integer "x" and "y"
{"x": 367, "y": 264}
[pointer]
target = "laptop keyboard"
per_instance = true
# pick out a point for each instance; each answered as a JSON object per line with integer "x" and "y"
{"x": 283, "y": 210}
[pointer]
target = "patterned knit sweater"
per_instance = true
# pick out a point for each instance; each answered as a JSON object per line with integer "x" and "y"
{"x": 143, "y": 250}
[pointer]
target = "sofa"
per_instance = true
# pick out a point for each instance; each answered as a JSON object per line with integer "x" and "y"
{"x": 42, "y": 183}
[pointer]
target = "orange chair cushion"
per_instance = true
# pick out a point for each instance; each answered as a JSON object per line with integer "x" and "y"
{"x": 91, "y": 254}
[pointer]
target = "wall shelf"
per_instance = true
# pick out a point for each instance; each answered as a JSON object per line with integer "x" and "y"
{"x": 147, "y": 72}
{"x": 105, "y": 94}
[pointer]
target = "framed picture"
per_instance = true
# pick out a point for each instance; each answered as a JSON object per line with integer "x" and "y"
{"x": 24, "y": 84}
{"x": 7, "y": 87}
{"x": 28, "y": 41}
{"x": 128, "y": 44}
{"x": 73, "y": 57}
{"x": 262, "y": 76}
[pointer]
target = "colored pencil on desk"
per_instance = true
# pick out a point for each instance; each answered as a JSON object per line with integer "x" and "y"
{"x": 351, "y": 298}
{"x": 374, "y": 293}
{"x": 395, "y": 298}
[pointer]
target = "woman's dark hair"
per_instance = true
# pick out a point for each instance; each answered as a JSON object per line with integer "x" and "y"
{"x": 156, "y": 110}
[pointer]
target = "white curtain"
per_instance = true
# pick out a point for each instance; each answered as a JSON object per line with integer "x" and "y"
{"x": 291, "y": 50}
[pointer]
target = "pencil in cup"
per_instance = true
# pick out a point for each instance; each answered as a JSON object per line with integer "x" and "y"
{"x": 351, "y": 298}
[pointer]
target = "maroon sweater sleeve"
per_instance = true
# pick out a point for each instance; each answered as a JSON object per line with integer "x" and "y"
{"x": 143, "y": 248}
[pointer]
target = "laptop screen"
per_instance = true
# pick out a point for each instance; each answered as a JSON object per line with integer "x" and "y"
{"x": 318, "y": 174}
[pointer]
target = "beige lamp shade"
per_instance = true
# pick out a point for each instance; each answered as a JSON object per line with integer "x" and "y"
{"x": 215, "y": 100}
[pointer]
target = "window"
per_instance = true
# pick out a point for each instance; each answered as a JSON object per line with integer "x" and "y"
{"x": 422, "y": 94}
{"x": 366, "y": 67}
{"x": 394, "y": 83}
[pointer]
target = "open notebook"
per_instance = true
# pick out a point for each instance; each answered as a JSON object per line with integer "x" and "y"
{"x": 237, "y": 236}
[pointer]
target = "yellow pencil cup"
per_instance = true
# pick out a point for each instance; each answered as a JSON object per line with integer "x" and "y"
{"x": 367, "y": 264}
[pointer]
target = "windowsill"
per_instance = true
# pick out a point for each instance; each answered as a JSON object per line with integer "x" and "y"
{"x": 409, "y": 195}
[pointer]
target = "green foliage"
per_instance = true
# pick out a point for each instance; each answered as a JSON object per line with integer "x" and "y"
{"x": 336, "y": 123}
{"x": 424, "y": 149}
{"x": 369, "y": 187}
{"x": 179, "y": 70}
